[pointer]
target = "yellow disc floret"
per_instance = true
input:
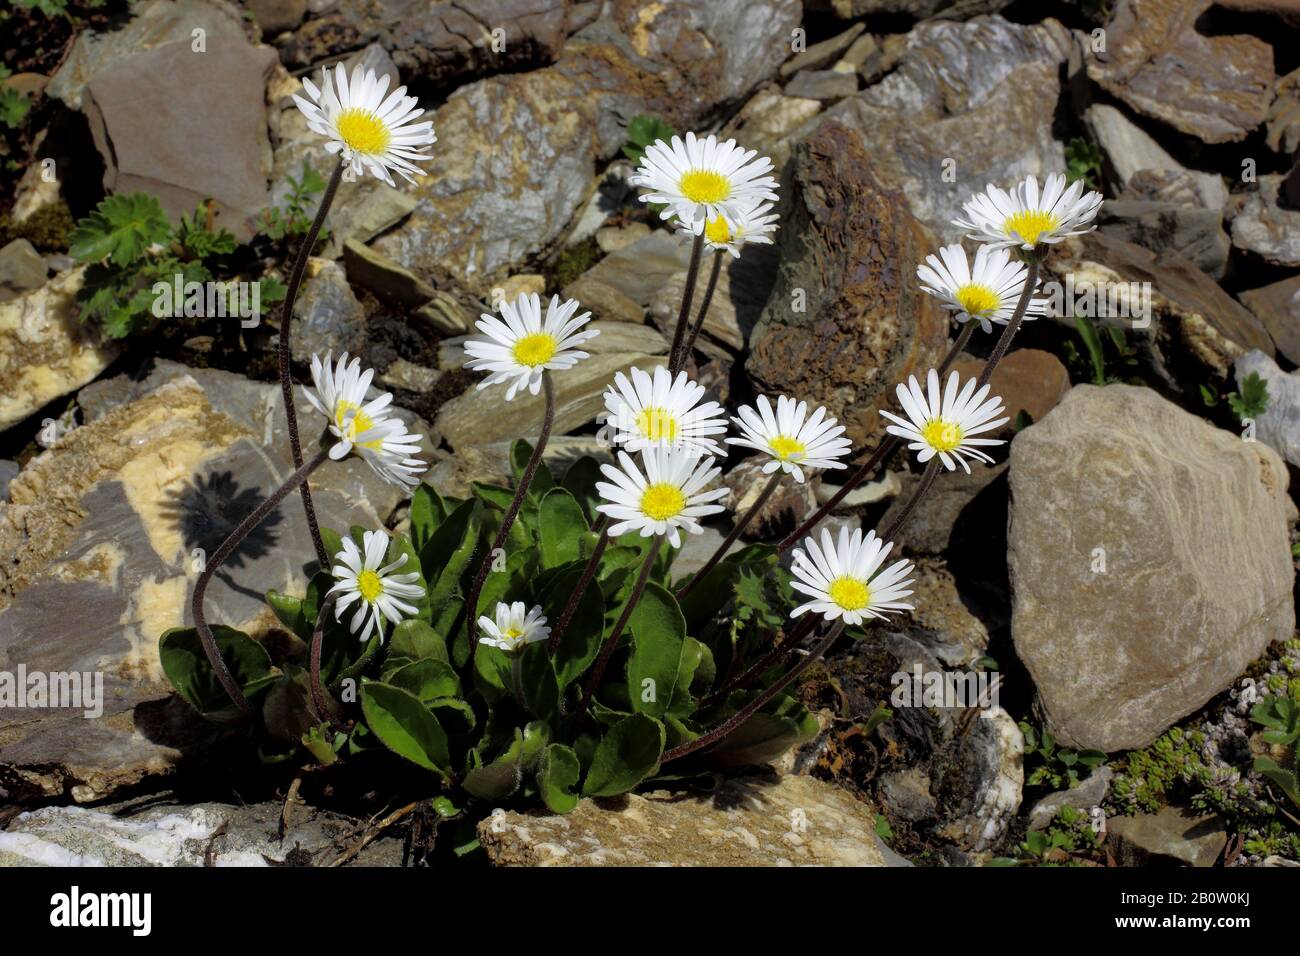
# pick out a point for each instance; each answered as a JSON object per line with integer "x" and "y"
{"x": 370, "y": 586}
{"x": 662, "y": 501}
{"x": 786, "y": 448}
{"x": 849, "y": 593}
{"x": 363, "y": 132}
{"x": 535, "y": 349}
{"x": 977, "y": 299}
{"x": 704, "y": 185}
{"x": 942, "y": 435}
{"x": 352, "y": 421}
{"x": 1030, "y": 224}
{"x": 718, "y": 232}
{"x": 657, "y": 424}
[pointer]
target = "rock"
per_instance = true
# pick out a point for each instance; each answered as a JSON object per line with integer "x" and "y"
{"x": 454, "y": 474}
{"x": 695, "y": 550}
{"x": 175, "y": 140}
{"x": 409, "y": 376}
{"x": 1278, "y": 307}
{"x": 8, "y": 472}
{"x": 788, "y": 505}
{"x": 1027, "y": 380}
{"x": 1088, "y": 794}
{"x": 21, "y": 266}
{"x": 906, "y": 794}
{"x": 528, "y": 143}
{"x": 982, "y": 793}
{"x": 276, "y": 16}
{"x": 204, "y": 834}
{"x": 45, "y": 351}
{"x": 823, "y": 85}
{"x": 844, "y": 321}
{"x": 613, "y": 238}
{"x": 852, "y": 9}
{"x": 1284, "y": 115}
{"x": 769, "y": 121}
{"x": 747, "y": 821}
{"x": 1194, "y": 233}
{"x": 743, "y": 288}
{"x": 109, "y": 521}
{"x": 622, "y": 286}
{"x": 1129, "y": 149}
{"x": 327, "y": 316}
{"x": 611, "y": 195}
{"x": 934, "y": 525}
{"x": 379, "y": 274}
{"x": 1279, "y": 426}
{"x": 945, "y": 623}
{"x": 1216, "y": 88}
{"x": 1174, "y": 835}
{"x": 1118, "y": 655}
{"x": 867, "y": 493}
{"x": 822, "y": 54}
{"x": 969, "y": 104}
{"x": 517, "y": 285}
{"x": 1187, "y": 319}
{"x": 1263, "y": 226}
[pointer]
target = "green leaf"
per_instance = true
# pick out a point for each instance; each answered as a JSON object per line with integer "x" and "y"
{"x": 447, "y": 554}
{"x": 627, "y": 754}
{"x": 289, "y": 612}
{"x": 416, "y": 640}
{"x": 428, "y": 511}
{"x": 121, "y": 228}
{"x": 580, "y": 481}
{"x": 561, "y": 526}
{"x": 187, "y": 667}
{"x": 557, "y": 778}
{"x": 783, "y": 723}
{"x": 405, "y": 725}
{"x": 541, "y": 691}
{"x": 1253, "y": 398}
{"x": 498, "y": 780}
{"x": 520, "y": 452}
{"x": 580, "y": 642}
{"x": 427, "y": 679}
{"x": 658, "y": 637}
{"x": 1092, "y": 342}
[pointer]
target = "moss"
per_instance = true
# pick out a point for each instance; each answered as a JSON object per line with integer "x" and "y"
{"x": 572, "y": 262}
{"x": 47, "y": 228}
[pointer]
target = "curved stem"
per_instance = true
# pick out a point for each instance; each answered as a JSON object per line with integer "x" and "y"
{"x": 607, "y": 649}
{"x": 1004, "y": 341}
{"x": 886, "y": 448}
{"x": 323, "y": 709}
{"x": 571, "y": 606}
{"x": 790, "y": 641}
{"x": 689, "y": 345}
{"x": 256, "y": 517}
{"x": 508, "y": 519}
{"x": 286, "y": 376}
{"x": 688, "y": 293}
{"x": 927, "y": 479}
{"x": 731, "y": 537}
{"x": 742, "y": 715}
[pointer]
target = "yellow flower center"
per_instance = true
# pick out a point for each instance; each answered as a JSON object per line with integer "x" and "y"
{"x": 513, "y": 633}
{"x": 1030, "y": 224}
{"x": 536, "y": 349}
{"x": 370, "y": 586}
{"x": 704, "y": 185}
{"x": 786, "y": 448}
{"x": 363, "y": 132}
{"x": 942, "y": 435}
{"x": 977, "y": 299}
{"x": 662, "y": 501}
{"x": 718, "y": 232}
{"x": 849, "y": 593}
{"x": 657, "y": 424}
{"x": 353, "y": 422}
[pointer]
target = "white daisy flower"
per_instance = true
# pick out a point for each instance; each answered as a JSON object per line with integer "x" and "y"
{"x": 790, "y": 437}
{"x": 666, "y": 498}
{"x": 371, "y": 132}
{"x": 363, "y": 428}
{"x": 941, "y": 422}
{"x": 699, "y": 180}
{"x": 1024, "y": 218}
{"x": 842, "y": 580}
{"x": 750, "y": 224}
{"x": 364, "y": 577}
{"x": 517, "y": 347}
{"x": 515, "y": 628}
{"x": 663, "y": 411}
{"x": 988, "y": 292}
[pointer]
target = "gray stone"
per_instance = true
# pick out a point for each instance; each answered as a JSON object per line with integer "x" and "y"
{"x": 327, "y": 315}
{"x": 1279, "y": 426}
{"x": 276, "y": 16}
{"x": 409, "y": 376}
{"x": 1278, "y": 307}
{"x": 8, "y": 472}
{"x": 1263, "y": 226}
{"x": 1129, "y": 149}
{"x": 743, "y": 288}
{"x": 851, "y": 9}
{"x": 1174, "y": 835}
{"x": 1284, "y": 115}
{"x": 933, "y": 527}
{"x": 1194, "y": 233}
{"x": 747, "y": 821}
{"x": 379, "y": 274}
{"x": 822, "y": 54}
{"x": 770, "y": 121}
{"x": 982, "y": 792}
{"x": 1118, "y": 655}
{"x": 906, "y": 794}
{"x": 823, "y": 85}
{"x": 624, "y": 285}
{"x": 453, "y": 475}
{"x": 109, "y": 521}
{"x": 1088, "y": 794}
{"x": 21, "y": 266}
{"x": 1216, "y": 88}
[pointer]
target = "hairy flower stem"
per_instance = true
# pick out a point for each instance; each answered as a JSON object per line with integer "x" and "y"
{"x": 791, "y": 640}
{"x": 878, "y": 457}
{"x": 689, "y": 345}
{"x": 508, "y": 519}
{"x": 740, "y": 526}
{"x": 927, "y": 480}
{"x": 742, "y": 715}
{"x": 675, "y": 359}
{"x": 1004, "y": 341}
{"x": 323, "y": 709}
{"x": 286, "y": 376}
{"x": 607, "y": 649}
{"x": 571, "y": 606}
{"x": 256, "y": 517}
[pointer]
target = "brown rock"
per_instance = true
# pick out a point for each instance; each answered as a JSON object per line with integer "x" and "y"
{"x": 1027, "y": 380}
{"x": 1216, "y": 88}
{"x": 1175, "y": 835}
{"x": 845, "y": 321}
{"x": 1278, "y": 307}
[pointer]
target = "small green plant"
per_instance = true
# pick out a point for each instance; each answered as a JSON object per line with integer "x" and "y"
{"x": 13, "y": 105}
{"x": 644, "y": 130}
{"x": 292, "y": 219}
{"x": 1064, "y": 842}
{"x": 1252, "y": 400}
{"x": 1058, "y": 768}
{"x": 1147, "y": 776}
{"x": 1108, "y": 353}
{"x": 1083, "y": 162}
{"x": 1281, "y": 715}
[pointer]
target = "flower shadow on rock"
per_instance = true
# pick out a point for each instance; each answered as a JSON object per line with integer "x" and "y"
{"x": 206, "y": 509}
